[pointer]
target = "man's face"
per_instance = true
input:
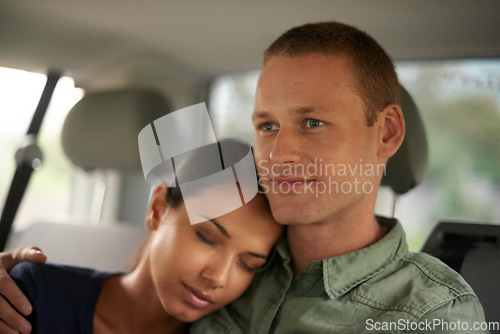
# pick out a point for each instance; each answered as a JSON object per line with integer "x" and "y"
{"x": 316, "y": 158}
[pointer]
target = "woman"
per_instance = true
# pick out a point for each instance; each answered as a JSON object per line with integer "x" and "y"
{"x": 185, "y": 272}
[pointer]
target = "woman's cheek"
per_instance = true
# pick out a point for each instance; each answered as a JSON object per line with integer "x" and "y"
{"x": 240, "y": 282}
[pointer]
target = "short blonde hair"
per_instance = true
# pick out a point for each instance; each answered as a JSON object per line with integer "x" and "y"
{"x": 375, "y": 78}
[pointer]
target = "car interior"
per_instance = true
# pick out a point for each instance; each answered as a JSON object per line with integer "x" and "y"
{"x": 136, "y": 62}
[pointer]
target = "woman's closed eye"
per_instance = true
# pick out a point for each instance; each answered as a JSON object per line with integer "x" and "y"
{"x": 205, "y": 238}
{"x": 249, "y": 267}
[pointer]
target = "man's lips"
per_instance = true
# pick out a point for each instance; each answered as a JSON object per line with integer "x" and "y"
{"x": 198, "y": 298}
{"x": 294, "y": 179}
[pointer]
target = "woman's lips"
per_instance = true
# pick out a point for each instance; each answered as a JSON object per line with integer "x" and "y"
{"x": 197, "y": 297}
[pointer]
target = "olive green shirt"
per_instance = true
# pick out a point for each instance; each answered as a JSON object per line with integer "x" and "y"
{"x": 382, "y": 288}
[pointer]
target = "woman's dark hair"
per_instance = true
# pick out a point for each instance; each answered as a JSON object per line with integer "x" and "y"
{"x": 174, "y": 197}
{"x": 203, "y": 162}
{"x": 195, "y": 166}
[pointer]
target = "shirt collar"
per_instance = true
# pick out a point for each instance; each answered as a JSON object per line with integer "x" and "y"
{"x": 344, "y": 272}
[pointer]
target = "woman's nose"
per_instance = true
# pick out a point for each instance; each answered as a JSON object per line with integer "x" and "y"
{"x": 217, "y": 271}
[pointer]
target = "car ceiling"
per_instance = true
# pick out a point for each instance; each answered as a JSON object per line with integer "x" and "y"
{"x": 107, "y": 41}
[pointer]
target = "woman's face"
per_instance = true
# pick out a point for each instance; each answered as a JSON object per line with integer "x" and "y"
{"x": 197, "y": 269}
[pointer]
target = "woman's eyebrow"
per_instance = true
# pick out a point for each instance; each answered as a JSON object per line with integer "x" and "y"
{"x": 219, "y": 227}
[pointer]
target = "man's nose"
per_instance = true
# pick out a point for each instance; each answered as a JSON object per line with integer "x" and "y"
{"x": 286, "y": 148}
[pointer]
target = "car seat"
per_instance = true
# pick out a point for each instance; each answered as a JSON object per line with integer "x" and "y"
{"x": 473, "y": 250}
{"x": 99, "y": 133}
{"x": 470, "y": 248}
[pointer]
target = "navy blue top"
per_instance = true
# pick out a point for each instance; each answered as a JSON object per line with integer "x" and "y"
{"x": 63, "y": 297}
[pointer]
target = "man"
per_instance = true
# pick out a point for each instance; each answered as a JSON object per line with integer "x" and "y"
{"x": 327, "y": 101}
{"x": 327, "y": 118}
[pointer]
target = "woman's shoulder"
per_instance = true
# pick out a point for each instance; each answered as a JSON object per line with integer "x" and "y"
{"x": 59, "y": 277}
{"x": 53, "y": 289}
{"x": 27, "y": 271}
{"x": 40, "y": 270}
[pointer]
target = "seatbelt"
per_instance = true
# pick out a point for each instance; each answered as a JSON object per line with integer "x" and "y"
{"x": 28, "y": 158}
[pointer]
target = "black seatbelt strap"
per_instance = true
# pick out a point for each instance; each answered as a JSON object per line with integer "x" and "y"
{"x": 28, "y": 158}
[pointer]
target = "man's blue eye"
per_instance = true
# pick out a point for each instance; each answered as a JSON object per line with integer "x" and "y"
{"x": 314, "y": 123}
{"x": 268, "y": 127}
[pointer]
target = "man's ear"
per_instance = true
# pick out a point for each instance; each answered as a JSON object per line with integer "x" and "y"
{"x": 392, "y": 126}
{"x": 157, "y": 208}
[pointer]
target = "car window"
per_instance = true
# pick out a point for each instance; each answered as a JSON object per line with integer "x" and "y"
{"x": 50, "y": 187}
{"x": 460, "y": 106}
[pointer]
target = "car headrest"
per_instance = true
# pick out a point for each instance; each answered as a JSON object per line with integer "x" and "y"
{"x": 101, "y": 130}
{"x": 408, "y": 166}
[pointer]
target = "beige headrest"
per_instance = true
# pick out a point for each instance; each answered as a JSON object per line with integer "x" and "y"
{"x": 101, "y": 130}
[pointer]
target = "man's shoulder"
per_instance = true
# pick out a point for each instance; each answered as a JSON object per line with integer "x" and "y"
{"x": 416, "y": 284}
{"x": 437, "y": 272}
